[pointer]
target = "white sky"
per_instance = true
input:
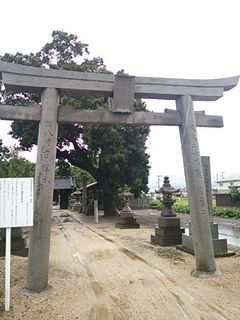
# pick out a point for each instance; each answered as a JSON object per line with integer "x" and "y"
{"x": 158, "y": 38}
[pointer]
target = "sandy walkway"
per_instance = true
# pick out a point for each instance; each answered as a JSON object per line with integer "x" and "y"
{"x": 99, "y": 272}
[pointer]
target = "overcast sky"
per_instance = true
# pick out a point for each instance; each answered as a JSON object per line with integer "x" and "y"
{"x": 177, "y": 39}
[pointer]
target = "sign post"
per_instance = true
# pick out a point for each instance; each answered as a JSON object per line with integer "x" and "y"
{"x": 16, "y": 210}
{"x": 7, "y": 268}
{"x": 96, "y": 210}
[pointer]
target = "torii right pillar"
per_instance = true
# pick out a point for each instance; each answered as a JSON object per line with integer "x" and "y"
{"x": 201, "y": 230}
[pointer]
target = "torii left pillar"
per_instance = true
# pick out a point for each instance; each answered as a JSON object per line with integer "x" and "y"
{"x": 38, "y": 258}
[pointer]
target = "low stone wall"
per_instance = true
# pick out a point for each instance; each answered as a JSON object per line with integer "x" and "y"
{"x": 140, "y": 204}
{"x": 225, "y": 200}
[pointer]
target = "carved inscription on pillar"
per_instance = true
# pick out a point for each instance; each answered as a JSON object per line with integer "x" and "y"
{"x": 40, "y": 235}
{"x": 208, "y": 184}
{"x": 197, "y": 169}
{"x": 196, "y": 154}
{"x": 201, "y": 232}
{"x": 45, "y": 151}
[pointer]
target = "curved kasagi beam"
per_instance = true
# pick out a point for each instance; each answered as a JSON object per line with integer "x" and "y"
{"x": 19, "y": 78}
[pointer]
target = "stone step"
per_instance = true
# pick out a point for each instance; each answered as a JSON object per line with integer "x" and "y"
{"x": 169, "y": 222}
{"x": 169, "y": 232}
{"x": 165, "y": 242}
{"x": 219, "y": 246}
{"x": 18, "y": 247}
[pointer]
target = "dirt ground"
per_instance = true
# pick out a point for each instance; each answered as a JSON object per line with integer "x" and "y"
{"x": 98, "y": 272}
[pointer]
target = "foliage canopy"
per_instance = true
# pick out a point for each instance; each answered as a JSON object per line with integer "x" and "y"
{"x": 12, "y": 165}
{"x": 113, "y": 155}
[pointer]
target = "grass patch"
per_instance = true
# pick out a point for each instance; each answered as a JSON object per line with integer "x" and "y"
{"x": 181, "y": 206}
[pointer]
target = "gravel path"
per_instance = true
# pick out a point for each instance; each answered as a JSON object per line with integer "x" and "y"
{"x": 103, "y": 273}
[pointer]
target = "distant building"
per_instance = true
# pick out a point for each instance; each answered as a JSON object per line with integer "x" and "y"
{"x": 224, "y": 185}
{"x": 63, "y": 187}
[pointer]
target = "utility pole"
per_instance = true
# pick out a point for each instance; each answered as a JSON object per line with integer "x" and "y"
{"x": 159, "y": 181}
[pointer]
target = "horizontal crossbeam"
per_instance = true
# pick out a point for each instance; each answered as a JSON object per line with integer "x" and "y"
{"x": 31, "y": 112}
{"x": 31, "y": 79}
{"x": 69, "y": 114}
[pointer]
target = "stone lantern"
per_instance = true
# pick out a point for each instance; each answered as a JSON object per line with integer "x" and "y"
{"x": 77, "y": 204}
{"x": 168, "y": 191}
{"x": 127, "y": 196}
{"x": 168, "y": 232}
{"x": 127, "y": 220}
{"x": 71, "y": 201}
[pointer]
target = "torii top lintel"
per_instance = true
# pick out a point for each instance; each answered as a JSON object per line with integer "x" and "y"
{"x": 19, "y": 78}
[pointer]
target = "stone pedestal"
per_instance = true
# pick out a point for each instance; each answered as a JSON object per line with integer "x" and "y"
{"x": 76, "y": 206}
{"x": 71, "y": 201}
{"x": 127, "y": 221}
{"x": 18, "y": 246}
{"x": 168, "y": 232}
{"x": 219, "y": 245}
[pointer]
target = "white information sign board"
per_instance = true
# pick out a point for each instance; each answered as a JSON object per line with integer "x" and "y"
{"x": 16, "y": 210}
{"x": 16, "y": 202}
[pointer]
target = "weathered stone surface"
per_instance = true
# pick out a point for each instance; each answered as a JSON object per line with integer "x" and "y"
{"x": 76, "y": 207}
{"x": 219, "y": 246}
{"x": 39, "y": 247}
{"x": 164, "y": 242}
{"x": 214, "y": 230}
{"x": 208, "y": 184}
{"x": 16, "y": 233}
{"x": 23, "y": 78}
{"x": 169, "y": 232}
{"x": 31, "y": 112}
{"x": 169, "y": 222}
{"x": 18, "y": 244}
{"x": 127, "y": 221}
{"x": 70, "y": 114}
{"x": 123, "y": 93}
{"x": 126, "y": 214}
{"x": 202, "y": 238}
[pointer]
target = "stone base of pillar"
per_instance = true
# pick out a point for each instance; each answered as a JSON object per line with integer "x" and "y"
{"x": 76, "y": 207}
{"x": 18, "y": 244}
{"x": 204, "y": 275}
{"x": 127, "y": 221}
{"x": 219, "y": 245}
{"x": 168, "y": 232}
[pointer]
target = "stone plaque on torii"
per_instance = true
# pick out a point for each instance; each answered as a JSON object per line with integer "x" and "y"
{"x": 121, "y": 89}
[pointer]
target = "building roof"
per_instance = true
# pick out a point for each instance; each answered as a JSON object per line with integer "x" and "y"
{"x": 228, "y": 180}
{"x": 91, "y": 185}
{"x": 61, "y": 183}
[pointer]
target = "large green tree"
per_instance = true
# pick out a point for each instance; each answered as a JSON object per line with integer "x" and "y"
{"x": 113, "y": 155}
{"x": 12, "y": 165}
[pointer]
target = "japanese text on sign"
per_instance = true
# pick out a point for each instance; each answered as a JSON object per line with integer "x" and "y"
{"x": 16, "y": 202}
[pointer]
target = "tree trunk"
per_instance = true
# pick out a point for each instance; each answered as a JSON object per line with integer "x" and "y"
{"x": 108, "y": 199}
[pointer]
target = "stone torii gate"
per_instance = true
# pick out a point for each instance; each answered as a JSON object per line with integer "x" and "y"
{"x": 122, "y": 90}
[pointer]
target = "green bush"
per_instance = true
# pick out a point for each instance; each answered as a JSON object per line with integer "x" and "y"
{"x": 156, "y": 204}
{"x": 181, "y": 206}
{"x": 227, "y": 212}
{"x": 235, "y": 193}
